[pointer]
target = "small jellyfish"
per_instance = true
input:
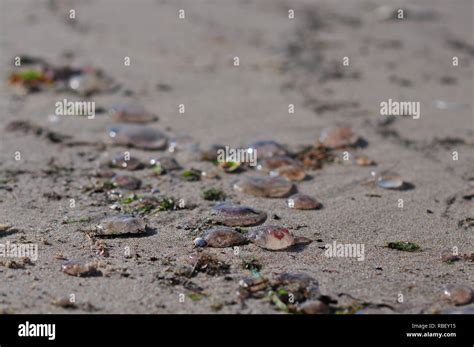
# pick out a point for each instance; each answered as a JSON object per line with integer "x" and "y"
{"x": 136, "y": 135}
{"x": 237, "y": 215}
{"x": 458, "y": 294}
{"x": 220, "y": 237}
{"x": 166, "y": 163}
{"x": 79, "y": 269}
{"x": 388, "y": 180}
{"x": 292, "y": 172}
{"x": 338, "y": 137}
{"x": 230, "y": 166}
{"x": 269, "y": 187}
{"x": 90, "y": 82}
{"x": 272, "y": 163}
{"x": 267, "y": 149}
{"x": 126, "y": 182}
{"x": 303, "y": 202}
{"x": 120, "y": 225}
{"x": 133, "y": 114}
{"x": 272, "y": 237}
{"x": 183, "y": 143}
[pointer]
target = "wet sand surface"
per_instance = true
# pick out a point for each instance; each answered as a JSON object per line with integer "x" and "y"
{"x": 282, "y": 61}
